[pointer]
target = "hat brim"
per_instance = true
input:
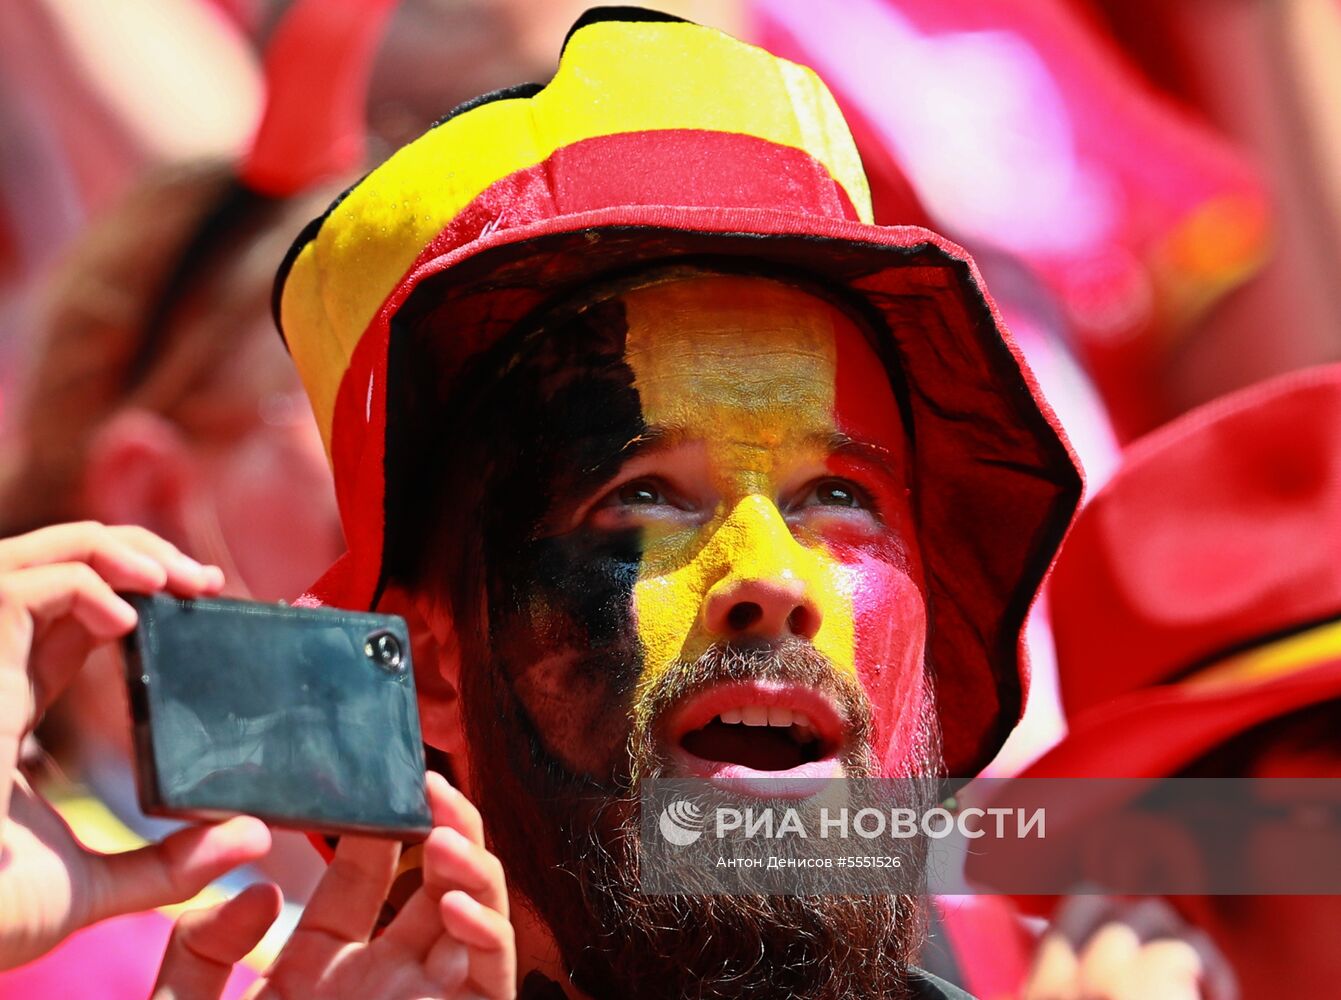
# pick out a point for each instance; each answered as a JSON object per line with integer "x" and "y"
{"x": 1158, "y": 731}
{"x": 995, "y": 482}
{"x": 1151, "y": 734}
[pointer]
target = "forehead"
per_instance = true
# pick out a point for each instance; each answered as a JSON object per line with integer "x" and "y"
{"x": 715, "y": 353}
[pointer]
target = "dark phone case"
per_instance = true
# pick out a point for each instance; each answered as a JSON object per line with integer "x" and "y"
{"x": 293, "y": 715}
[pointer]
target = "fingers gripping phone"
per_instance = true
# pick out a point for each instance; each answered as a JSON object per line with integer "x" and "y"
{"x": 302, "y": 717}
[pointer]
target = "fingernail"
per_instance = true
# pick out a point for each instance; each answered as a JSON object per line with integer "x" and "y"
{"x": 143, "y": 564}
{"x": 455, "y": 837}
{"x": 462, "y": 898}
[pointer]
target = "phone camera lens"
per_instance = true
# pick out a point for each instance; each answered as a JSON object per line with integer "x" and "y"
{"x": 383, "y": 648}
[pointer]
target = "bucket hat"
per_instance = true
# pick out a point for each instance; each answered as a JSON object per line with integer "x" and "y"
{"x": 659, "y": 141}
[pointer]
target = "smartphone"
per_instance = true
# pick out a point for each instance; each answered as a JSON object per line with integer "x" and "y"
{"x": 302, "y": 717}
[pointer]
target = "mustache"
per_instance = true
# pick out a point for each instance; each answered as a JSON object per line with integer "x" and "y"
{"x": 788, "y": 661}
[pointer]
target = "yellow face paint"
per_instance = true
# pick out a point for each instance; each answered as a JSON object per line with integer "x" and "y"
{"x": 748, "y": 368}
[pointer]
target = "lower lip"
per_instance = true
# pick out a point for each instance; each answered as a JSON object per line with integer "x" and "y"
{"x": 800, "y": 782}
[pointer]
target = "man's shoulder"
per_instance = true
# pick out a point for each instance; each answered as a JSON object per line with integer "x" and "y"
{"x": 925, "y": 986}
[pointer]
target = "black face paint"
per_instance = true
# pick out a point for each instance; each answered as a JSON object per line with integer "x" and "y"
{"x": 522, "y": 438}
{"x": 560, "y": 605}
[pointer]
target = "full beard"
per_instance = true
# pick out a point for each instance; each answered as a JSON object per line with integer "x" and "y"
{"x": 571, "y": 846}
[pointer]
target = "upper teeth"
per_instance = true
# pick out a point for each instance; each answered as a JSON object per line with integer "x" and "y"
{"x": 761, "y": 715}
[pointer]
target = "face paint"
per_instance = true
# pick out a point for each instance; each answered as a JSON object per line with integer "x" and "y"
{"x": 773, "y": 383}
{"x": 558, "y": 628}
{"x": 888, "y": 586}
{"x": 728, "y": 363}
{"x": 676, "y": 458}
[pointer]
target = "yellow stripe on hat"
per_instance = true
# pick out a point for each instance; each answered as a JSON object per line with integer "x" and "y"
{"x": 1274, "y": 660}
{"x": 614, "y": 77}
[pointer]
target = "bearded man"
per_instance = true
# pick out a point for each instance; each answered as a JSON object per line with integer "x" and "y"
{"x": 678, "y": 466}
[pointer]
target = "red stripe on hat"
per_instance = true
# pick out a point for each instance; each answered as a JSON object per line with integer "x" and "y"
{"x": 687, "y": 168}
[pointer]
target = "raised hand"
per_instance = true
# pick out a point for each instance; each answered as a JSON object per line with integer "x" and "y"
{"x": 1102, "y": 949}
{"x": 58, "y": 602}
{"x": 451, "y": 941}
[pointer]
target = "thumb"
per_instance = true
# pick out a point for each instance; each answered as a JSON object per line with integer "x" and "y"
{"x": 174, "y": 870}
{"x": 205, "y": 944}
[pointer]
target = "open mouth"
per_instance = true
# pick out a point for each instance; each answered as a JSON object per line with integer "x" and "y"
{"x": 758, "y": 730}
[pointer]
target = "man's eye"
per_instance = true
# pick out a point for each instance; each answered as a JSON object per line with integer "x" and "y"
{"x": 640, "y": 491}
{"x": 837, "y": 493}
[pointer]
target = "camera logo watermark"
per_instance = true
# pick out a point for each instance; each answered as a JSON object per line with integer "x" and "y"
{"x": 681, "y": 822}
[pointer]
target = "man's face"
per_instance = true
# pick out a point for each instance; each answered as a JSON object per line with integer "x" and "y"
{"x": 757, "y": 495}
{"x": 696, "y": 556}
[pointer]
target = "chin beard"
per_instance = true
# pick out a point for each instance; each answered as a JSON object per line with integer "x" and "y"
{"x": 572, "y": 848}
{"x": 621, "y": 944}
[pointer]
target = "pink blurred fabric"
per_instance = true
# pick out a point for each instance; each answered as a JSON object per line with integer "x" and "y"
{"x": 114, "y": 960}
{"x": 1018, "y": 128}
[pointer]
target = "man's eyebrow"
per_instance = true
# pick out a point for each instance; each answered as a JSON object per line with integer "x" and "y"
{"x": 597, "y": 470}
{"x": 873, "y": 454}
{"x": 652, "y": 439}
{"x": 648, "y": 441}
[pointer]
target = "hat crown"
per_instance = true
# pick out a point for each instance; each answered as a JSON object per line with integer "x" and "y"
{"x": 639, "y": 112}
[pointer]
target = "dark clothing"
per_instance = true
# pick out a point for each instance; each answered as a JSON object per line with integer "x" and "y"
{"x": 925, "y": 986}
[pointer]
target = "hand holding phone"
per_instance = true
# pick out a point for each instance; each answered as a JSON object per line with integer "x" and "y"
{"x": 450, "y": 940}
{"x": 57, "y": 602}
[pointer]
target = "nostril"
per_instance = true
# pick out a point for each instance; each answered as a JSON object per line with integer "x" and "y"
{"x": 803, "y": 622}
{"x": 762, "y": 609}
{"x": 743, "y": 615}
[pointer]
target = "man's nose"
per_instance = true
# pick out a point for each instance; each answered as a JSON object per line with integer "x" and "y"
{"x": 761, "y": 609}
{"x": 761, "y": 595}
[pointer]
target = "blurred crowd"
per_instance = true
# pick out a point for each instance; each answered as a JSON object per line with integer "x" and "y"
{"x": 1152, "y": 190}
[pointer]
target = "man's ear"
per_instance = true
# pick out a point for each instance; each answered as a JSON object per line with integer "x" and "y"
{"x": 139, "y": 471}
{"x": 437, "y": 665}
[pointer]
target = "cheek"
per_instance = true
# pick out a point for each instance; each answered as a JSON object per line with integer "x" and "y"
{"x": 666, "y": 609}
{"x": 562, "y": 634}
{"x": 271, "y": 496}
{"x": 890, "y": 627}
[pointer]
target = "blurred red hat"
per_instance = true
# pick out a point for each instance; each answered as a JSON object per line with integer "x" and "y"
{"x": 1197, "y": 597}
{"x": 1199, "y": 593}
